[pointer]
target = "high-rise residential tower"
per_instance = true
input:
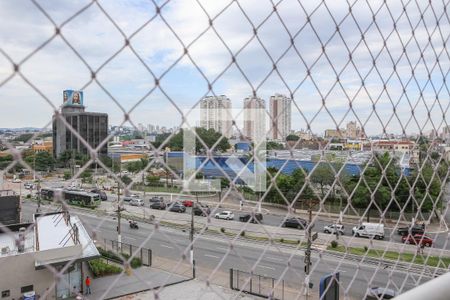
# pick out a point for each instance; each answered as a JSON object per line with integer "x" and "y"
{"x": 254, "y": 118}
{"x": 215, "y": 113}
{"x": 280, "y": 115}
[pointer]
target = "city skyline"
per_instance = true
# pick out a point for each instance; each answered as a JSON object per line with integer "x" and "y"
{"x": 318, "y": 102}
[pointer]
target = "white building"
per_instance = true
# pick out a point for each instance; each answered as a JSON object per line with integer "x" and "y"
{"x": 280, "y": 114}
{"x": 215, "y": 113}
{"x": 254, "y": 118}
{"x": 29, "y": 252}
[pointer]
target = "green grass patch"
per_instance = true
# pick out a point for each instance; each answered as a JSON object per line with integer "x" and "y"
{"x": 100, "y": 268}
{"x": 433, "y": 261}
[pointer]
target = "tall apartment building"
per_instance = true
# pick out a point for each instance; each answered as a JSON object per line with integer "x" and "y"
{"x": 92, "y": 127}
{"x": 280, "y": 114}
{"x": 215, "y": 113}
{"x": 254, "y": 118}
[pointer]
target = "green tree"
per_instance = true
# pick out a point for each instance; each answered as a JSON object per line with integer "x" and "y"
{"x": 67, "y": 175}
{"x": 323, "y": 176}
{"x": 292, "y": 137}
{"x": 41, "y": 161}
{"x": 208, "y": 136}
{"x": 271, "y": 145}
{"x": 125, "y": 179}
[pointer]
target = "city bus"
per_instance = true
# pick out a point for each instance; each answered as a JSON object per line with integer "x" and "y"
{"x": 80, "y": 198}
{"x": 85, "y": 199}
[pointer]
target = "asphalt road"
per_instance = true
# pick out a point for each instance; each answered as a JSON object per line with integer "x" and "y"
{"x": 441, "y": 239}
{"x": 214, "y": 252}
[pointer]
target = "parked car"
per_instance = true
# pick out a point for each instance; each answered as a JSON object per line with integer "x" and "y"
{"x": 369, "y": 230}
{"x": 334, "y": 228}
{"x": 380, "y": 293}
{"x": 417, "y": 239}
{"x": 130, "y": 197}
{"x": 101, "y": 193}
{"x": 201, "y": 210}
{"x": 188, "y": 203}
{"x": 156, "y": 199}
{"x": 295, "y": 223}
{"x": 257, "y": 217}
{"x": 177, "y": 207}
{"x": 415, "y": 229}
{"x": 158, "y": 205}
{"x": 29, "y": 186}
{"x": 16, "y": 180}
{"x": 225, "y": 215}
{"x": 137, "y": 202}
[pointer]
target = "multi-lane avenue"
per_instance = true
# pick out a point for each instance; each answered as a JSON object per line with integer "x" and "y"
{"x": 211, "y": 252}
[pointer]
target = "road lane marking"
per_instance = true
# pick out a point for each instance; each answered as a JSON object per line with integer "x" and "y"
{"x": 130, "y": 238}
{"x": 275, "y": 258}
{"x": 223, "y": 248}
{"x": 213, "y": 256}
{"x": 165, "y": 246}
{"x": 266, "y": 267}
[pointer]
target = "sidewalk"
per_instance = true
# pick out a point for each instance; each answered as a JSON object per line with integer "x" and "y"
{"x": 123, "y": 284}
{"x": 191, "y": 290}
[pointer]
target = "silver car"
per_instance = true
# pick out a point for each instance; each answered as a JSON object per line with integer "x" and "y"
{"x": 137, "y": 202}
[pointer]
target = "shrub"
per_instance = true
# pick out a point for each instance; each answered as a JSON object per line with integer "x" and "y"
{"x": 366, "y": 248}
{"x": 222, "y": 230}
{"x": 281, "y": 240}
{"x": 334, "y": 244}
{"x": 134, "y": 263}
{"x": 100, "y": 268}
{"x": 29, "y": 196}
{"x": 242, "y": 233}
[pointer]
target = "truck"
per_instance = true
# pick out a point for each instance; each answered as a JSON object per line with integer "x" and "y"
{"x": 369, "y": 230}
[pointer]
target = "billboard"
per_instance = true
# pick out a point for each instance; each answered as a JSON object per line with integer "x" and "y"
{"x": 72, "y": 98}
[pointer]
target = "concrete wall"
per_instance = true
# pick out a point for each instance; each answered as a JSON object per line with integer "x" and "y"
{"x": 19, "y": 271}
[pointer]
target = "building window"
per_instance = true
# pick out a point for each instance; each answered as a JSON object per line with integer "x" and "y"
{"x": 5, "y": 294}
{"x": 26, "y": 289}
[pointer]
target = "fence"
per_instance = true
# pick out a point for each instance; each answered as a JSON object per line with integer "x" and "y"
{"x": 257, "y": 285}
{"x": 128, "y": 250}
{"x": 368, "y": 77}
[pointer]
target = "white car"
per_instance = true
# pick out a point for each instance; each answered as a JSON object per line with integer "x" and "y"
{"x": 16, "y": 180}
{"x": 137, "y": 202}
{"x": 334, "y": 228}
{"x": 29, "y": 186}
{"x": 225, "y": 215}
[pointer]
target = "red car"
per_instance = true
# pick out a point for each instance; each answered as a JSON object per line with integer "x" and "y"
{"x": 416, "y": 239}
{"x": 188, "y": 203}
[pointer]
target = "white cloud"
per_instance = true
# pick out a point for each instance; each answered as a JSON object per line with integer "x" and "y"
{"x": 95, "y": 38}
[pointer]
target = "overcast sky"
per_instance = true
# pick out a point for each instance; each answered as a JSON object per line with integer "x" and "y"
{"x": 89, "y": 41}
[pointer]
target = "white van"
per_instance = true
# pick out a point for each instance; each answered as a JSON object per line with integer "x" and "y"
{"x": 369, "y": 230}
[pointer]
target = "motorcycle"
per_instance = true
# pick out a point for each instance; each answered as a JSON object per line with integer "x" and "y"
{"x": 133, "y": 224}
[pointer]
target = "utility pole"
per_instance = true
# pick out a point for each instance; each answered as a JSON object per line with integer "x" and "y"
{"x": 119, "y": 209}
{"x": 308, "y": 248}
{"x": 191, "y": 238}
{"x": 38, "y": 187}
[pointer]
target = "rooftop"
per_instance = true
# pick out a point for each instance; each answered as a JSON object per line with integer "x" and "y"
{"x": 53, "y": 238}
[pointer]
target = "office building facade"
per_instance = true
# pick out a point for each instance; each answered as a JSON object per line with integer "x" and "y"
{"x": 92, "y": 127}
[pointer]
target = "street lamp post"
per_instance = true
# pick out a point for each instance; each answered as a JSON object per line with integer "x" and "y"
{"x": 119, "y": 209}
{"x": 191, "y": 238}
